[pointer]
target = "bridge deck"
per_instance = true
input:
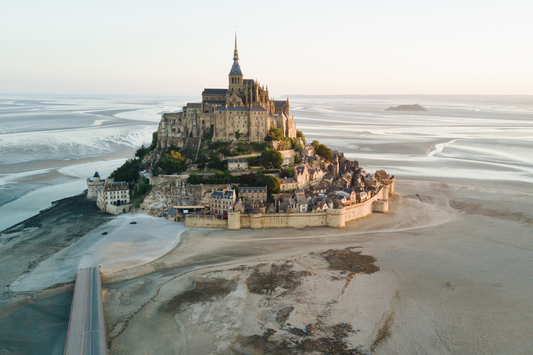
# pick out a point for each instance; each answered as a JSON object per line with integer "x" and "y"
{"x": 86, "y": 329}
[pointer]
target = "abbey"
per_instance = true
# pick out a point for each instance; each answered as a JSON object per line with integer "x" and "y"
{"x": 242, "y": 111}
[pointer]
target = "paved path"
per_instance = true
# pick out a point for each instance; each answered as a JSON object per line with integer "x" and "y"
{"x": 86, "y": 329}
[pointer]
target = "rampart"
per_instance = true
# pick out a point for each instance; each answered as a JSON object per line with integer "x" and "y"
{"x": 205, "y": 222}
{"x": 334, "y": 218}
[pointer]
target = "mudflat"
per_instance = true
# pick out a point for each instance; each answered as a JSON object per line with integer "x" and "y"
{"x": 447, "y": 271}
{"x": 36, "y": 321}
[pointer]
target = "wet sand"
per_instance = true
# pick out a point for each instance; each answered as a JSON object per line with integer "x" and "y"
{"x": 447, "y": 271}
{"x": 35, "y": 322}
{"x": 454, "y": 277}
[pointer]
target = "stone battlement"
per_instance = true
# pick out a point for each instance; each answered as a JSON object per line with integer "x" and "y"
{"x": 334, "y": 218}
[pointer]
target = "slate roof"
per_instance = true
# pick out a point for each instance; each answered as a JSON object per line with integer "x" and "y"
{"x": 194, "y": 104}
{"x": 257, "y": 109}
{"x": 96, "y": 174}
{"x": 280, "y": 104}
{"x": 235, "y": 69}
{"x": 248, "y": 81}
{"x": 221, "y": 108}
{"x": 116, "y": 186}
{"x": 215, "y": 91}
{"x": 252, "y": 189}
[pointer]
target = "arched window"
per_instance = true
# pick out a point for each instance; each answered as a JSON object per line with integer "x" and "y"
{"x": 179, "y": 130}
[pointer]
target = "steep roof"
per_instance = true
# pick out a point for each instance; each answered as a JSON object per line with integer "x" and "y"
{"x": 280, "y": 104}
{"x": 235, "y": 68}
{"x": 252, "y": 189}
{"x": 215, "y": 91}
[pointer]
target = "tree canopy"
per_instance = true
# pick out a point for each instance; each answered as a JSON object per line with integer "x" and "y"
{"x": 271, "y": 158}
{"x": 324, "y": 152}
{"x": 301, "y": 135}
{"x": 274, "y": 134}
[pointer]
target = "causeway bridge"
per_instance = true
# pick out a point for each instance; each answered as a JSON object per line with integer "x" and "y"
{"x": 86, "y": 327}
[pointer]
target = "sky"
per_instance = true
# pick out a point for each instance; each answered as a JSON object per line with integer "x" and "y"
{"x": 295, "y": 47}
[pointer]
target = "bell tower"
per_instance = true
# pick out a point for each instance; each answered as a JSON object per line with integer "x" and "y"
{"x": 235, "y": 75}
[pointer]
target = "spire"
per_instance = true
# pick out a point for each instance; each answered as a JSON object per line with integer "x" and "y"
{"x": 235, "y": 68}
{"x": 235, "y": 52}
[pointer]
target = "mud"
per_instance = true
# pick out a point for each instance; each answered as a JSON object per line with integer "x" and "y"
{"x": 331, "y": 342}
{"x": 350, "y": 260}
{"x": 279, "y": 276}
{"x": 203, "y": 290}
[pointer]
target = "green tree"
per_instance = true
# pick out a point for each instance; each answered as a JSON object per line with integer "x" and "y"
{"x": 271, "y": 158}
{"x": 154, "y": 141}
{"x": 287, "y": 172}
{"x": 297, "y": 158}
{"x": 195, "y": 179}
{"x": 174, "y": 162}
{"x": 274, "y": 134}
{"x": 237, "y": 134}
{"x": 315, "y": 145}
{"x": 272, "y": 183}
{"x": 324, "y": 152}
{"x": 141, "y": 152}
{"x": 301, "y": 135}
{"x": 284, "y": 144}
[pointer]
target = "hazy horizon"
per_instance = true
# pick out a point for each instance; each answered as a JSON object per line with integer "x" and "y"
{"x": 340, "y": 48}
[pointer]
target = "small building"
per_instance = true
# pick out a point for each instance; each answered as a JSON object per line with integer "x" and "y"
{"x": 237, "y": 164}
{"x": 114, "y": 197}
{"x": 287, "y": 184}
{"x": 221, "y": 202}
{"x": 252, "y": 194}
{"x": 93, "y": 185}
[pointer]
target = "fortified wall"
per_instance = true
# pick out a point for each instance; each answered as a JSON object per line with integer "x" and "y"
{"x": 334, "y": 218}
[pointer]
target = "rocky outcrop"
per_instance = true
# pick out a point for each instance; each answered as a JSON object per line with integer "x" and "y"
{"x": 415, "y": 107}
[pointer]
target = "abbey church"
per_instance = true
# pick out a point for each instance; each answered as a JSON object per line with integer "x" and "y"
{"x": 242, "y": 111}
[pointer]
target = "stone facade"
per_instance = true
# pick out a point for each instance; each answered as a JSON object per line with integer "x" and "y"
{"x": 221, "y": 202}
{"x": 93, "y": 185}
{"x": 331, "y": 217}
{"x": 242, "y": 111}
{"x": 114, "y": 197}
{"x": 237, "y": 164}
{"x": 253, "y": 194}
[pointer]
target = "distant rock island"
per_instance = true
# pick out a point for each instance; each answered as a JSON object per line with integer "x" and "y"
{"x": 415, "y": 107}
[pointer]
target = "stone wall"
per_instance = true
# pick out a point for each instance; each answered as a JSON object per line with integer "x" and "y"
{"x": 205, "y": 222}
{"x": 334, "y": 218}
{"x": 156, "y": 180}
{"x": 116, "y": 210}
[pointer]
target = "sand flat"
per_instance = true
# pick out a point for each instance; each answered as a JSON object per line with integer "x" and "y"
{"x": 451, "y": 280}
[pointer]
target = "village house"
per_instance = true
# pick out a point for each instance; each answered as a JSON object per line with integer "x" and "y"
{"x": 288, "y": 184}
{"x": 222, "y": 202}
{"x": 237, "y": 164}
{"x": 114, "y": 197}
{"x": 252, "y": 194}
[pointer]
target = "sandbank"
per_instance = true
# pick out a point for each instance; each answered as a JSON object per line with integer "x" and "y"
{"x": 451, "y": 280}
